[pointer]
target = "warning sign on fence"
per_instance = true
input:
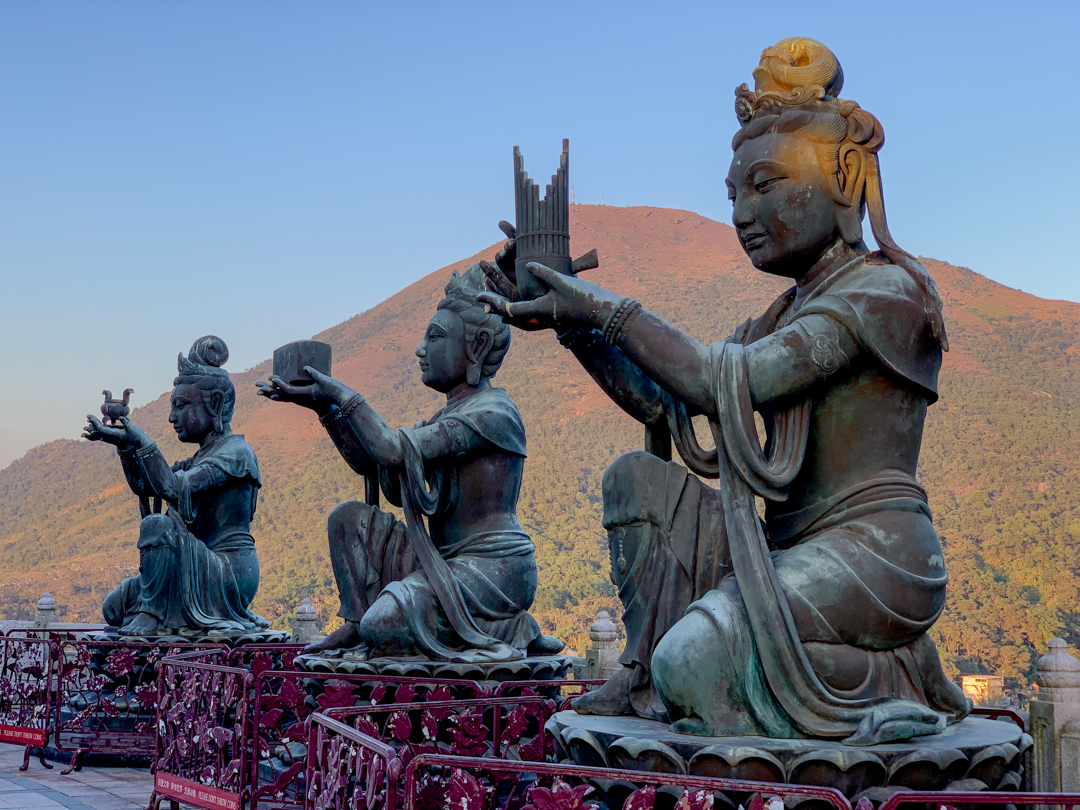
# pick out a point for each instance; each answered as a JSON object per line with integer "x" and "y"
{"x": 176, "y": 787}
{"x": 22, "y": 735}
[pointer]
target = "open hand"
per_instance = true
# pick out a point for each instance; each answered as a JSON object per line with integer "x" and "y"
{"x": 123, "y": 437}
{"x": 568, "y": 303}
{"x": 502, "y": 274}
{"x": 321, "y": 396}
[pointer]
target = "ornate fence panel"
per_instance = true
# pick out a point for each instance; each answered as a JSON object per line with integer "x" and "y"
{"x": 203, "y": 723}
{"x": 463, "y": 783}
{"x": 106, "y": 695}
{"x": 27, "y": 686}
{"x": 386, "y": 760}
{"x": 284, "y": 701}
{"x": 498, "y": 727}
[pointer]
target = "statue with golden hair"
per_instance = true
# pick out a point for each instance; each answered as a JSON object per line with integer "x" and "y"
{"x": 813, "y": 622}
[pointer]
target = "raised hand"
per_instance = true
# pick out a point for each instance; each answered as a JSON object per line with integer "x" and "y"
{"x": 568, "y": 303}
{"x": 123, "y": 437}
{"x": 320, "y": 395}
{"x": 502, "y": 273}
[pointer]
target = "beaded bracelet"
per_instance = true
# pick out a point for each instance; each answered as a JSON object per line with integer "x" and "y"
{"x": 147, "y": 451}
{"x": 614, "y": 325}
{"x": 337, "y": 414}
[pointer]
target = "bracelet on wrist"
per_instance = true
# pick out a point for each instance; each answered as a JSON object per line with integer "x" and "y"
{"x": 614, "y": 326}
{"x": 341, "y": 412}
{"x": 146, "y": 451}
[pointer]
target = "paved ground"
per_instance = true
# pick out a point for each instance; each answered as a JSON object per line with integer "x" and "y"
{"x": 86, "y": 789}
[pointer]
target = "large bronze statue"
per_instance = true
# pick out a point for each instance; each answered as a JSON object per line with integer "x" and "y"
{"x": 461, "y": 589}
{"x": 812, "y": 623}
{"x": 198, "y": 569}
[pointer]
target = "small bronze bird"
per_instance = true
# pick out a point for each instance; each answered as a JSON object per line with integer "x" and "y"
{"x": 113, "y": 409}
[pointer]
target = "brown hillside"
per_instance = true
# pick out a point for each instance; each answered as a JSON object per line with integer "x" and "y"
{"x": 999, "y": 454}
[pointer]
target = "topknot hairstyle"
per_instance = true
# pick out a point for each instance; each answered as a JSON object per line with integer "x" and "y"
{"x": 460, "y": 298}
{"x": 202, "y": 368}
{"x": 796, "y": 91}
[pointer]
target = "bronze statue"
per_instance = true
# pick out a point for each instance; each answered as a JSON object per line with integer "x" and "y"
{"x": 812, "y": 623}
{"x": 458, "y": 588}
{"x": 198, "y": 569}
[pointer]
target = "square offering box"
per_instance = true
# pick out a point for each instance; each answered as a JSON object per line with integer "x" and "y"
{"x": 290, "y": 359}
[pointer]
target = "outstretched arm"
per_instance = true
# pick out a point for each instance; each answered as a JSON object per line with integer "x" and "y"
{"x": 627, "y": 385}
{"x": 361, "y": 435}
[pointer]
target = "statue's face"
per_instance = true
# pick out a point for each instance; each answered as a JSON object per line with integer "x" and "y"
{"x": 442, "y": 352}
{"x": 189, "y": 415}
{"x": 783, "y": 212}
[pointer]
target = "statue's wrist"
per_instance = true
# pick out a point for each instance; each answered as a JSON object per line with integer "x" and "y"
{"x": 620, "y": 314}
{"x": 339, "y": 412}
{"x": 146, "y": 450}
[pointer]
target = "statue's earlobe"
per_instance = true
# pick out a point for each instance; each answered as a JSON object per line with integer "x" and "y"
{"x": 214, "y": 404}
{"x": 852, "y": 181}
{"x": 476, "y": 351}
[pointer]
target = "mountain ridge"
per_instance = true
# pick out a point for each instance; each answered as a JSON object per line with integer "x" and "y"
{"x": 999, "y": 452}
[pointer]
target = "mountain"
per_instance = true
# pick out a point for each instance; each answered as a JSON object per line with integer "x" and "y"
{"x": 1000, "y": 455}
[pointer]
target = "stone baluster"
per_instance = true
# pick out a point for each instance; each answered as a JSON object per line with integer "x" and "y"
{"x": 602, "y": 657}
{"x": 1055, "y": 722}
{"x": 306, "y": 624}
{"x": 46, "y": 611}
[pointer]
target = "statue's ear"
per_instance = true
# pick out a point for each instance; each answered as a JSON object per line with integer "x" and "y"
{"x": 852, "y": 181}
{"x": 215, "y": 402}
{"x": 477, "y": 351}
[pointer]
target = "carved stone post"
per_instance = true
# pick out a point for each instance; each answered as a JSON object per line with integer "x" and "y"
{"x": 1055, "y": 722}
{"x": 306, "y": 624}
{"x": 602, "y": 657}
{"x": 46, "y": 611}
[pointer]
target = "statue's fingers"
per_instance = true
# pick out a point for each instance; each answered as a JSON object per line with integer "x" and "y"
{"x": 507, "y": 228}
{"x": 551, "y": 278}
{"x": 497, "y": 302}
{"x": 317, "y": 375}
{"x": 499, "y": 279}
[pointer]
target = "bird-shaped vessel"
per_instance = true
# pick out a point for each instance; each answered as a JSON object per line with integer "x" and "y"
{"x": 113, "y": 409}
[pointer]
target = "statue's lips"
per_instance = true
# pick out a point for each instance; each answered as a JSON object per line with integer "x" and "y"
{"x": 753, "y": 241}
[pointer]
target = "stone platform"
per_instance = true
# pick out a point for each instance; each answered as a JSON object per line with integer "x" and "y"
{"x": 228, "y": 639}
{"x": 974, "y": 754}
{"x": 540, "y": 668}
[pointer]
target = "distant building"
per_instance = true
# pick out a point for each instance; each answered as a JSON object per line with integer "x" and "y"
{"x": 978, "y": 687}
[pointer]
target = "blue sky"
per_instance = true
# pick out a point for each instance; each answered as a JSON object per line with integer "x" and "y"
{"x": 263, "y": 170}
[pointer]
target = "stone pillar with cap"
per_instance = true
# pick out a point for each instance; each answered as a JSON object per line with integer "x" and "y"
{"x": 306, "y": 624}
{"x": 1055, "y": 722}
{"x": 602, "y": 657}
{"x": 46, "y": 611}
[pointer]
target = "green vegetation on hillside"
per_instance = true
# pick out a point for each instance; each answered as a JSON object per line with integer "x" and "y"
{"x": 1000, "y": 454}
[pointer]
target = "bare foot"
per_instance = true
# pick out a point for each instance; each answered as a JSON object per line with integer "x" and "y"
{"x": 613, "y": 698}
{"x": 345, "y": 637}
{"x": 142, "y": 625}
{"x": 546, "y": 645}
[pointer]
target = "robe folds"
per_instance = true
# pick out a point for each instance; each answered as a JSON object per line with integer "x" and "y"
{"x": 195, "y": 573}
{"x": 812, "y": 622}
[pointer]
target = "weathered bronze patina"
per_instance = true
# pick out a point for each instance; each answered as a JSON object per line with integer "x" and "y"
{"x": 198, "y": 569}
{"x": 458, "y": 587}
{"x": 814, "y": 622}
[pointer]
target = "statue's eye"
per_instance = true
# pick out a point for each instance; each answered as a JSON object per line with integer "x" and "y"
{"x": 767, "y": 183}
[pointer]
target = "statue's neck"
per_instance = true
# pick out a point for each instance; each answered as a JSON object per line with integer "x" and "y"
{"x": 463, "y": 390}
{"x": 835, "y": 257}
{"x": 214, "y": 437}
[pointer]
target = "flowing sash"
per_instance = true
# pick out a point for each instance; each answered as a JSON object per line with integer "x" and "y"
{"x": 745, "y": 471}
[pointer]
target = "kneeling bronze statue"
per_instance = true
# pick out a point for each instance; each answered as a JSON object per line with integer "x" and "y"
{"x": 198, "y": 569}
{"x": 813, "y": 622}
{"x": 461, "y": 590}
